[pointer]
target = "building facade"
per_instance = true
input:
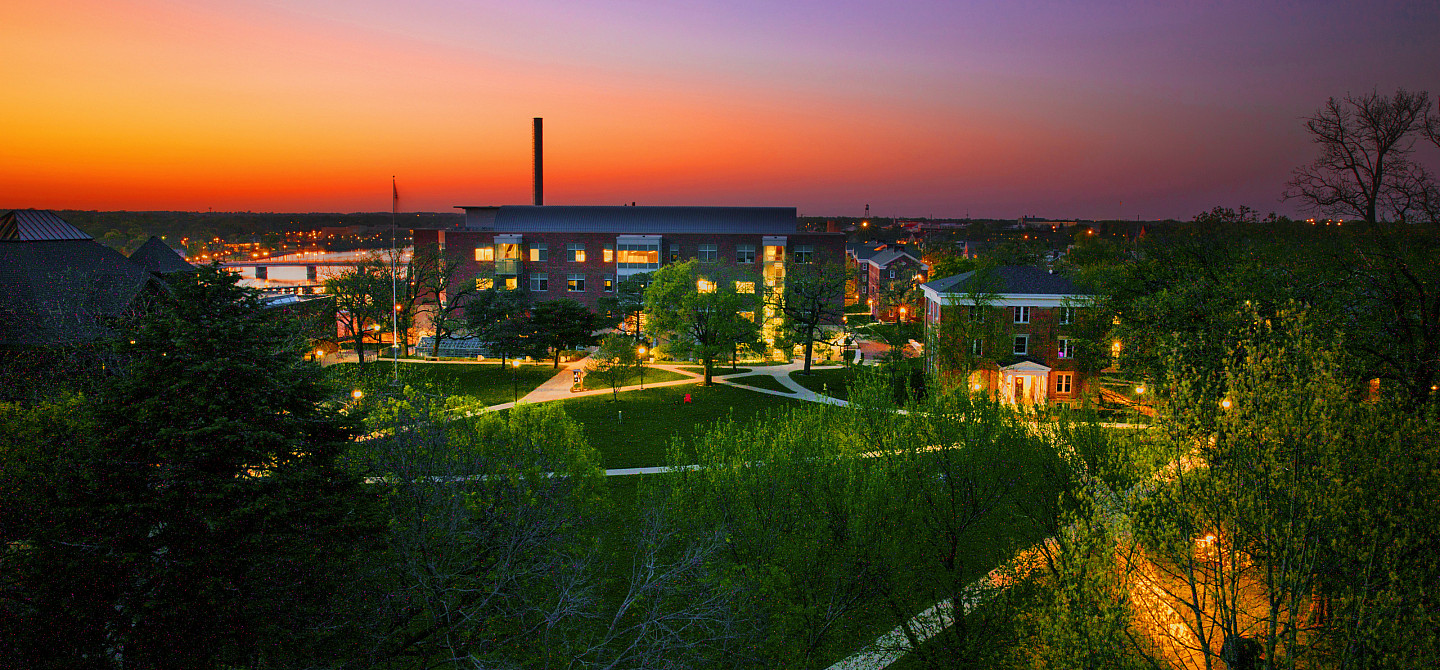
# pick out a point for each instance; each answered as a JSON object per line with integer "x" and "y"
{"x": 584, "y": 253}
{"x": 1015, "y": 327}
{"x": 890, "y": 277}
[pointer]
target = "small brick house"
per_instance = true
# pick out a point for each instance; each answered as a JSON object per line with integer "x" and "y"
{"x": 1017, "y": 324}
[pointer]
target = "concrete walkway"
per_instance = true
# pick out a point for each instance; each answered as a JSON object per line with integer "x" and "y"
{"x": 781, "y": 373}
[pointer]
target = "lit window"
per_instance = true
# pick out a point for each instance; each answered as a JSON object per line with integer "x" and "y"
{"x": 639, "y": 256}
{"x": 609, "y": 253}
{"x": 1022, "y": 344}
{"x": 1022, "y": 315}
{"x": 744, "y": 287}
{"x": 539, "y": 281}
{"x": 512, "y": 283}
{"x": 1067, "y": 347}
{"x": 575, "y": 284}
{"x": 748, "y": 316}
{"x": 484, "y": 253}
{"x": 745, "y": 253}
{"x": 708, "y": 253}
{"x": 539, "y": 252}
{"x": 575, "y": 252}
{"x": 674, "y": 253}
{"x": 484, "y": 284}
{"x": 774, "y": 253}
{"x": 609, "y": 283}
{"x": 1062, "y": 382}
{"x": 510, "y": 252}
{"x": 705, "y": 286}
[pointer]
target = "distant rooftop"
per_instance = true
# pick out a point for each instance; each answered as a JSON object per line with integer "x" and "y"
{"x": 635, "y": 220}
{"x": 1010, "y": 279}
{"x": 37, "y": 225}
{"x": 156, "y": 256}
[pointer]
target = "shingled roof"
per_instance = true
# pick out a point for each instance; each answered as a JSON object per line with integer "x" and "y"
{"x": 158, "y": 258}
{"x": 1010, "y": 279}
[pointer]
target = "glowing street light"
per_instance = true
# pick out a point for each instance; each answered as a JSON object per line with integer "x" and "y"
{"x": 357, "y": 394}
{"x": 1225, "y": 404}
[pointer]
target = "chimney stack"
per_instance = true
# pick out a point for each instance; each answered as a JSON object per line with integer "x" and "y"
{"x": 539, "y": 162}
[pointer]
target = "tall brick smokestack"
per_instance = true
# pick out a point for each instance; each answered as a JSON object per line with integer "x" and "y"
{"x": 539, "y": 161}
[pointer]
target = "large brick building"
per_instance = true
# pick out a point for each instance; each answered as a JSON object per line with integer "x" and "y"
{"x": 1016, "y": 323}
{"x": 585, "y": 252}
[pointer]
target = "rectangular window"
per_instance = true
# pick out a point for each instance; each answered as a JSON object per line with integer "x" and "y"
{"x": 575, "y": 252}
{"x": 1067, "y": 315}
{"x": 774, "y": 253}
{"x": 804, "y": 252}
{"x": 639, "y": 256}
{"x": 745, "y": 253}
{"x": 892, "y": 273}
{"x": 609, "y": 253}
{"x": 1062, "y": 382}
{"x": 311, "y": 273}
{"x": 539, "y": 252}
{"x": 705, "y": 286}
{"x": 977, "y": 313}
{"x": 262, "y": 272}
{"x": 1022, "y": 315}
{"x": 708, "y": 253}
{"x": 744, "y": 287}
{"x": 484, "y": 283}
{"x": 674, "y": 253}
{"x": 510, "y": 252}
{"x": 1067, "y": 347}
{"x": 539, "y": 281}
{"x": 512, "y": 283}
{"x": 575, "y": 284}
{"x": 486, "y": 253}
{"x": 748, "y": 316}
{"x": 609, "y": 283}
{"x": 977, "y": 347}
{"x": 1022, "y": 344}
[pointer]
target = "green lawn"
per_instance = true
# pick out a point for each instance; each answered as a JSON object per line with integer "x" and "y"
{"x": 831, "y": 381}
{"x": 762, "y": 381}
{"x": 489, "y": 383}
{"x": 635, "y": 430}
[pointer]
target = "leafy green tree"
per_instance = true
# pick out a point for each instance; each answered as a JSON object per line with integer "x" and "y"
{"x": 200, "y": 518}
{"x": 501, "y": 320}
{"x": 813, "y": 302}
{"x": 627, "y": 305}
{"x": 444, "y": 288}
{"x": 616, "y": 362}
{"x": 362, "y": 301}
{"x": 698, "y": 310}
{"x": 557, "y": 325}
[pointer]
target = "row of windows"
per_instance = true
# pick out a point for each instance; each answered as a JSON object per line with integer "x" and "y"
{"x": 1022, "y": 346}
{"x": 642, "y": 256}
{"x": 1021, "y": 314}
{"x": 540, "y": 281}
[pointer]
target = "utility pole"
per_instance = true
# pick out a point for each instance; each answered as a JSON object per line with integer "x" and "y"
{"x": 394, "y": 287}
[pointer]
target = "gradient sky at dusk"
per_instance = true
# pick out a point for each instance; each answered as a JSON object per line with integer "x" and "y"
{"x": 996, "y": 109}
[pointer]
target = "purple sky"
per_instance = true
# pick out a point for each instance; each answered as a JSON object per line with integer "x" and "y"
{"x": 996, "y": 109}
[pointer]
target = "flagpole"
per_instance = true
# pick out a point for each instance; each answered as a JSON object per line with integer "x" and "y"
{"x": 394, "y": 287}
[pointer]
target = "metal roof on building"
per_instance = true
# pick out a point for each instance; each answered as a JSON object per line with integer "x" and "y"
{"x": 1010, "y": 279}
{"x": 635, "y": 220}
{"x": 37, "y": 225}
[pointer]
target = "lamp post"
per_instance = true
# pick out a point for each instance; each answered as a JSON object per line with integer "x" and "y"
{"x": 515, "y": 380}
{"x": 642, "y": 368}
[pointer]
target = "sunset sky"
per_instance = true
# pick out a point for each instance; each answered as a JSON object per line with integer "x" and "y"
{"x": 995, "y": 109}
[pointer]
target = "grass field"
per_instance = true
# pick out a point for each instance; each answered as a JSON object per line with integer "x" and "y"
{"x": 831, "y": 381}
{"x": 489, "y": 383}
{"x": 635, "y": 430}
{"x": 762, "y": 381}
